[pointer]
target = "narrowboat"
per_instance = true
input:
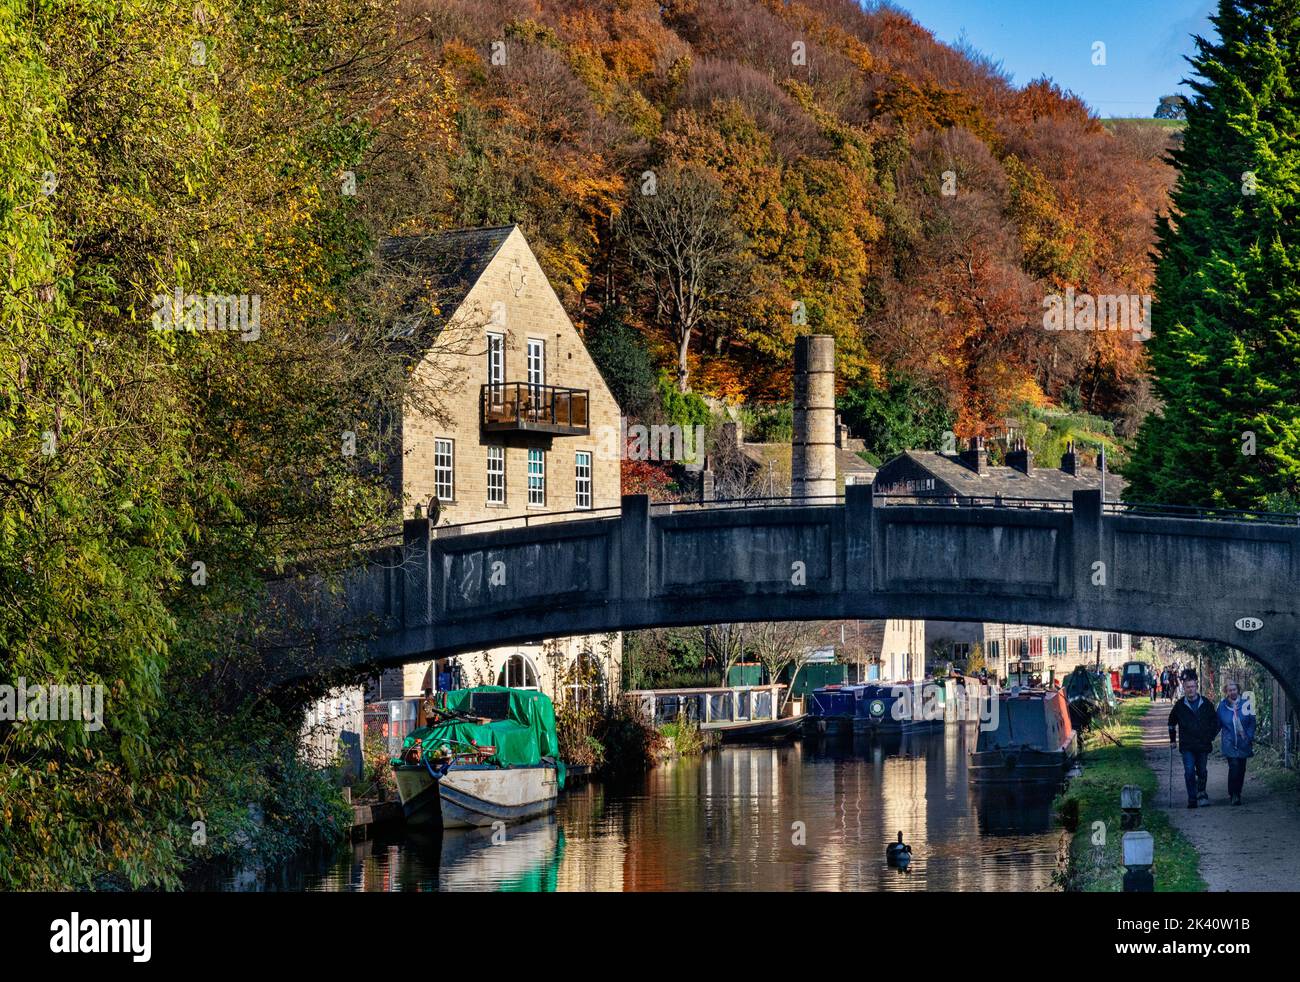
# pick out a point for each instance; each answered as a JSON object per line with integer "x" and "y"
{"x": 1136, "y": 678}
{"x": 1087, "y": 695}
{"x": 876, "y": 707}
{"x": 488, "y": 754}
{"x": 1028, "y": 740}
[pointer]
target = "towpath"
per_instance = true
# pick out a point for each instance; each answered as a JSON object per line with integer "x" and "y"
{"x": 1245, "y": 848}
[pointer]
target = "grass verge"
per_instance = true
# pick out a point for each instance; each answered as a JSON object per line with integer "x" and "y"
{"x": 1090, "y": 809}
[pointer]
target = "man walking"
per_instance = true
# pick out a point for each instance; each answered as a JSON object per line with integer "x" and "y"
{"x": 1194, "y": 724}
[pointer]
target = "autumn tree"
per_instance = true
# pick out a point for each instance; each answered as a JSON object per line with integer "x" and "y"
{"x": 686, "y": 251}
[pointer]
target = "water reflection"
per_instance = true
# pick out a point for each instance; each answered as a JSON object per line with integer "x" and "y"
{"x": 813, "y": 815}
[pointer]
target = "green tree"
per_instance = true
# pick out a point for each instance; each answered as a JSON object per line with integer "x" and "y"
{"x": 903, "y": 414}
{"x": 624, "y": 362}
{"x": 1225, "y": 351}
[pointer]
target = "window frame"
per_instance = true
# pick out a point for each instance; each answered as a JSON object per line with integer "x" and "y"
{"x": 450, "y": 468}
{"x": 496, "y": 453}
{"x": 578, "y": 480}
{"x": 539, "y": 500}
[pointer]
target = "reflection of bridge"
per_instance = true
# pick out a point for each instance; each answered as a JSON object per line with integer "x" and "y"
{"x": 1069, "y": 564}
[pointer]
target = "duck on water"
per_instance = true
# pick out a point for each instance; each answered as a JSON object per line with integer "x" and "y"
{"x": 488, "y": 754}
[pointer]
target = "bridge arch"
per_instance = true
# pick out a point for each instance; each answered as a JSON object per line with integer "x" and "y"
{"x": 1233, "y": 579}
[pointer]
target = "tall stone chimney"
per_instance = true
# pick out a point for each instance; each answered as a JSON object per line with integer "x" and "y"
{"x": 812, "y": 457}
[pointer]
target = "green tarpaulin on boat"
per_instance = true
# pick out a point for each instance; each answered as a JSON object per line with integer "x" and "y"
{"x": 522, "y": 738}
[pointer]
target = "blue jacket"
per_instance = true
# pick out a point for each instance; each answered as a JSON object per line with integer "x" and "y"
{"x": 1229, "y": 745}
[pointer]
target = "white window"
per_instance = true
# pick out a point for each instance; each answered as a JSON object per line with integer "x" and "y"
{"x": 443, "y": 457}
{"x": 496, "y": 475}
{"x": 518, "y": 673}
{"x": 1085, "y": 642}
{"x": 536, "y": 361}
{"x": 536, "y": 477}
{"x": 1112, "y": 642}
{"x": 582, "y": 479}
{"x": 496, "y": 359}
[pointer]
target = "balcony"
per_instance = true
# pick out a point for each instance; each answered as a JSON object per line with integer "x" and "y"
{"x": 519, "y": 407}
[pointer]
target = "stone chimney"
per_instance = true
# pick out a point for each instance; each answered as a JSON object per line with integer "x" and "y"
{"x": 1021, "y": 458}
{"x": 841, "y": 434}
{"x": 812, "y": 457}
{"x": 1070, "y": 460}
{"x": 975, "y": 456}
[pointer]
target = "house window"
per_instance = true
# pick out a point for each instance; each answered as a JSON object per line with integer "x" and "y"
{"x": 496, "y": 359}
{"x": 1112, "y": 642}
{"x": 536, "y": 362}
{"x": 1058, "y": 644}
{"x": 584, "y": 685}
{"x": 1035, "y": 647}
{"x": 496, "y": 475}
{"x": 582, "y": 478}
{"x": 443, "y": 457}
{"x": 1085, "y": 642}
{"x": 995, "y": 650}
{"x": 960, "y": 651}
{"x": 536, "y": 478}
{"x": 518, "y": 673}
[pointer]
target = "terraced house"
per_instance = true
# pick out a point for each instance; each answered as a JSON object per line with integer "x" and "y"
{"x": 516, "y": 431}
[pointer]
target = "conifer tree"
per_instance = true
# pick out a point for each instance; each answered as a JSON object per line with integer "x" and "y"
{"x": 1225, "y": 350}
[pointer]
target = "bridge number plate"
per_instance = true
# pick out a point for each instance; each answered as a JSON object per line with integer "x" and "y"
{"x": 1249, "y": 624}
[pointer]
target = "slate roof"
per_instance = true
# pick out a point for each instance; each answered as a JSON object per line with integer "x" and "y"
{"x": 1041, "y": 482}
{"x": 847, "y": 463}
{"x": 450, "y": 263}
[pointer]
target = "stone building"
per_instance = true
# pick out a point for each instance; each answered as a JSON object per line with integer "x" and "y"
{"x": 1051, "y": 648}
{"x": 521, "y": 417}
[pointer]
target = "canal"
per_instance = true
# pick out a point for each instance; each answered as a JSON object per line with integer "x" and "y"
{"x": 812, "y": 815}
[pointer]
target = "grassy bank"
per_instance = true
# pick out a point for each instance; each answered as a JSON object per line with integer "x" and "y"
{"x": 1095, "y": 860}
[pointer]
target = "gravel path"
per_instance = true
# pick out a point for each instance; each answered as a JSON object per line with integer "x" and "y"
{"x": 1251, "y": 847}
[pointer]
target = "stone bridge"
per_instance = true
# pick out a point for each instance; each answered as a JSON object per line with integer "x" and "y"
{"x": 1081, "y": 564}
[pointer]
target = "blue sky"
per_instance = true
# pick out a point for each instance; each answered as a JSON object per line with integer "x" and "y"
{"x": 1145, "y": 43}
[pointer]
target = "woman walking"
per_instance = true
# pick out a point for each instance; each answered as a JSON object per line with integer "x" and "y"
{"x": 1237, "y": 723}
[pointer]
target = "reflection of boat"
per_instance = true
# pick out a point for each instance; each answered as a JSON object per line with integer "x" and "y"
{"x": 526, "y": 859}
{"x": 877, "y": 707}
{"x": 1011, "y": 811}
{"x": 488, "y": 755}
{"x": 756, "y": 731}
{"x": 1030, "y": 740}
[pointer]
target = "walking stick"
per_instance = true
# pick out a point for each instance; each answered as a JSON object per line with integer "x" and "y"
{"x": 1171, "y": 774}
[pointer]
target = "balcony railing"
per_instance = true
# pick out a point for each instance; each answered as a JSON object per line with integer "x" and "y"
{"x": 522, "y": 406}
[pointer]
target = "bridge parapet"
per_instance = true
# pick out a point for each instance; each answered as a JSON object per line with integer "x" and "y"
{"x": 1078, "y": 565}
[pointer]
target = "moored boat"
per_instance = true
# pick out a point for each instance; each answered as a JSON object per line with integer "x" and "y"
{"x": 759, "y": 731}
{"x": 489, "y": 754}
{"x": 1029, "y": 740}
{"x": 876, "y": 707}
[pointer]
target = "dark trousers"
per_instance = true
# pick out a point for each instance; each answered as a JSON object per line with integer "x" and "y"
{"x": 1195, "y": 773}
{"x": 1236, "y": 776}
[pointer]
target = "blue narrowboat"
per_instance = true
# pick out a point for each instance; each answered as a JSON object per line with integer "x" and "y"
{"x": 876, "y": 707}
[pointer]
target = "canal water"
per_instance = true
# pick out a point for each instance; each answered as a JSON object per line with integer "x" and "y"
{"x": 812, "y": 815}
